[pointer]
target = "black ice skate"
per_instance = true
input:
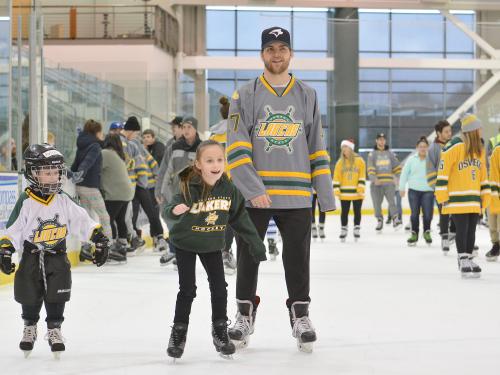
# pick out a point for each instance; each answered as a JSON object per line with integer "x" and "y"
{"x": 167, "y": 258}
{"x": 397, "y": 223}
{"x": 243, "y": 327}
{"x": 56, "y": 341}
{"x": 445, "y": 244}
{"x": 273, "y": 248}
{"x": 29, "y": 338}
{"x": 302, "y": 328}
{"x": 221, "y": 340}
{"x": 343, "y": 234}
{"x": 136, "y": 246}
{"x": 468, "y": 269}
{"x": 380, "y": 225}
{"x": 177, "y": 340}
{"x": 492, "y": 255}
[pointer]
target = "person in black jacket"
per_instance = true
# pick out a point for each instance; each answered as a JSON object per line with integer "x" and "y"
{"x": 154, "y": 147}
{"x": 86, "y": 170}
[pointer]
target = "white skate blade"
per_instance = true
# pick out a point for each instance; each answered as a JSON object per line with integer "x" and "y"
{"x": 57, "y": 355}
{"x": 305, "y": 347}
{"x": 471, "y": 275}
{"x": 26, "y": 353}
{"x": 229, "y": 271}
{"x": 112, "y": 262}
{"x": 227, "y": 357}
{"x": 131, "y": 253}
{"x": 491, "y": 259}
{"x": 240, "y": 344}
{"x": 342, "y": 240}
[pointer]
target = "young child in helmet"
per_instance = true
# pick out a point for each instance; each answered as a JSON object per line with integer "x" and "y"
{"x": 38, "y": 226}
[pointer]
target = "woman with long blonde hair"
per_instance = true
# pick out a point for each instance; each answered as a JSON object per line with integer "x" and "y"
{"x": 462, "y": 188}
{"x": 349, "y": 179}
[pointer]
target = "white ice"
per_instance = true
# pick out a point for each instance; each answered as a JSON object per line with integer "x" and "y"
{"x": 379, "y": 307}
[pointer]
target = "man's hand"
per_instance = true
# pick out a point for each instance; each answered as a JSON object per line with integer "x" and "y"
{"x": 262, "y": 201}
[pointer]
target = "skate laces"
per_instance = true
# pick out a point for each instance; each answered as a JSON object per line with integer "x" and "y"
{"x": 301, "y": 325}
{"x": 242, "y": 323}
{"x": 29, "y": 333}
{"x": 178, "y": 336}
{"x": 54, "y": 336}
{"x": 220, "y": 331}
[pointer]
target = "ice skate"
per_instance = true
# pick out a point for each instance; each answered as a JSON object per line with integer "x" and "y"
{"x": 428, "y": 237}
{"x": 272, "y": 248}
{"x": 29, "y": 338}
{"x": 466, "y": 266}
{"x": 397, "y": 223}
{"x": 322, "y": 231}
{"x": 221, "y": 341}
{"x": 243, "y": 327}
{"x": 160, "y": 245}
{"x": 56, "y": 341}
{"x": 343, "y": 234}
{"x": 167, "y": 258}
{"x": 86, "y": 252}
{"x": 229, "y": 262}
{"x": 136, "y": 246}
{"x": 380, "y": 225}
{"x": 412, "y": 241}
{"x": 115, "y": 258}
{"x": 492, "y": 255}
{"x": 314, "y": 231}
{"x": 357, "y": 233}
{"x": 177, "y": 340}
{"x": 302, "y": 328}
{"x": 445, "y": 244}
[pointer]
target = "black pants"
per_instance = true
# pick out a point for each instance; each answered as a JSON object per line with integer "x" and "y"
{"x": 186, "y": 265}
{"x": 446, "y": 223}
{"x": 466, "y": 231}
{"x": 346, "y": 206}
{"x": 143, "y": 198}
{"x": 117, "y": 211}
{"x": 322, "y": 215}
{"x": 295, "y": 228}
{"x": 55, "y": 311}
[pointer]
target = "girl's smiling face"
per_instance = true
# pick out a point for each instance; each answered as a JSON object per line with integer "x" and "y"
{"x": 211, "y": 164}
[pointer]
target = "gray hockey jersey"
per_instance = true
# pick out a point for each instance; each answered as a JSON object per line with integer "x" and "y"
{"x": 275, "y": 145}
{"x": 383, "y": 166}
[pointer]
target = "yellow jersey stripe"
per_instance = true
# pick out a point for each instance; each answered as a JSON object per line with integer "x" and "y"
{"x": 289, "y": 192}
{"x": 317, "y": 154}
{"x": 306, "y": 176}
{"x": 239, "y": 162}
{"x": 320, "y": 172}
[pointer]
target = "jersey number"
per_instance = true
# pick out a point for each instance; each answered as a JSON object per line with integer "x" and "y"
{"x": 235, "y": 118}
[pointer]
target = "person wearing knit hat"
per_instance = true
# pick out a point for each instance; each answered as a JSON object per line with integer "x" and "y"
{"x": 349, "y": 180}
{"x": 463, "y": 189}
{"x": 146, "y": 170}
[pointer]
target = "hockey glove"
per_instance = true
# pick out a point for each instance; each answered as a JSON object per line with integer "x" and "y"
{"x": 101, "y": 247}
{"x": 6, "y": 265}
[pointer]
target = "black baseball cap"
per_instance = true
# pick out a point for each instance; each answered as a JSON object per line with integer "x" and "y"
{"x": 177, "y": 120}
{"x": 380, "y": 135}
{"x": 275, "y": 34}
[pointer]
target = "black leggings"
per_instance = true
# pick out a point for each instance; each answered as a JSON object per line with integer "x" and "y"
{"x": 466, "y": 231}
{"x": 55, "y": 311}
{"x": 186, "y": 265}
{"x": 322, "y": 215}
{"x": 446, "y": 224}
{"x": 117, "y": 211}
{"x": 344, "y": 215}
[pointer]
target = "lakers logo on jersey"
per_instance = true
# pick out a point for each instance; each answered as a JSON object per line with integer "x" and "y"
{"x": 49, "y": 233}
{"x": 279, "y": 129}
{"x": 211, "y": 219}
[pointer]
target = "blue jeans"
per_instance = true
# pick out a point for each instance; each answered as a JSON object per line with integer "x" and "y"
{"x": 421, "y": 200}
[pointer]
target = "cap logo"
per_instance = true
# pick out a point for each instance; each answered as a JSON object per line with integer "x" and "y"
{"x": 276, "y": 33}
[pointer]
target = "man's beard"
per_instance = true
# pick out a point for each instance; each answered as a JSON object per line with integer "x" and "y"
{"x": 283, "y": 67}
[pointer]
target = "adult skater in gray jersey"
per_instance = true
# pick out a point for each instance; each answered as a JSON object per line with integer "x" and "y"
{"x": 276, "y": 155}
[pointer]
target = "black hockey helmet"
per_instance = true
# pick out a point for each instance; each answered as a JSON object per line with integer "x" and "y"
{"x": 43, "y": 160}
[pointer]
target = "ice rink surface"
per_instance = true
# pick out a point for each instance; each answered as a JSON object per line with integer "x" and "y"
{"x": 379, "y": 307}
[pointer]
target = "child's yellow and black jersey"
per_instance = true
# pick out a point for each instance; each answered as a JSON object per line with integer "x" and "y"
{"x": 495, "y": 180}
{"x": 349, "y": 181}
{"x": 462, "y": 183}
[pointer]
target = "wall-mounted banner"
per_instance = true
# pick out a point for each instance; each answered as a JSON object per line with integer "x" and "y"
{"x": 8, "y": 196}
